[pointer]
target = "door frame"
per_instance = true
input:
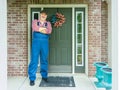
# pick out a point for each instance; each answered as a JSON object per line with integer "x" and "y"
{"x": 73, "y": 6}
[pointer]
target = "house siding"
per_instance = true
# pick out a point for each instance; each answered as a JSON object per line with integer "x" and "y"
{"x": 18, "y": 33}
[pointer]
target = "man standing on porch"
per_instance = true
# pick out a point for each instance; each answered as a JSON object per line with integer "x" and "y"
{"x": 40, "y": 47}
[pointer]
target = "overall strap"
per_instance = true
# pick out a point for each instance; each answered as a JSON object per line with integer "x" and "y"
{"x": 45, "y": 24}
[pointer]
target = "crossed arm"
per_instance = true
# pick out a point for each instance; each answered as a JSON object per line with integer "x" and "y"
{"x": 43, "y": 30}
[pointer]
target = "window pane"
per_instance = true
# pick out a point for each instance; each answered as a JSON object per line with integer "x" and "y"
{"x": 79, "y": 28}
{"x": 79, "y": 17}
{"x": 79, "y": 38}
{"x": 79, "y": 59}
{"x": 79, "y": 50}
{"x": 35, "y": 15}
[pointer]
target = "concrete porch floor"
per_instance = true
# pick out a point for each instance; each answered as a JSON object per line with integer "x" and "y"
{"x": 82, "y": 82}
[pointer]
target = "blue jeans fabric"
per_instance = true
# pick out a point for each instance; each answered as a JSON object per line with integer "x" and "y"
{"x": 40, "y": 47}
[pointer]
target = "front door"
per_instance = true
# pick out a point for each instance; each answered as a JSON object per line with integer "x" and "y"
{"x": 60, "y": 55}
{"x": 60, "y": 42}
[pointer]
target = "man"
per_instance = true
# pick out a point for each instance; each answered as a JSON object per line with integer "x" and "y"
{"x": 40, "y": 46}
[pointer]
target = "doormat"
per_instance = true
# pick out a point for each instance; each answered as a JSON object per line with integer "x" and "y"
{"x": 57, "y": 81}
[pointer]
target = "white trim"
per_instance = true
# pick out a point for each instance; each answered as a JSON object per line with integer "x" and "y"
{"x": 118, "y": 45}
{"x": 73, "y": 41}
{"x": 29, "y": 28}
{"x": 114, "y": 51}
{"x": 62, "y": 6}
{"x": 56, "y": 5}
{"x": 3, "y": 44}
{"x": 82, "y": 45}
{"x": 86, "y": 39}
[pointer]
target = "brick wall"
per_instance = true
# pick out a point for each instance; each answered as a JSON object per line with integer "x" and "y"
{"x": 17, "y": 38}
{"x": 104, "y": 32}
{"x": 17, "y": 33}
{"x": 94, "y": 35}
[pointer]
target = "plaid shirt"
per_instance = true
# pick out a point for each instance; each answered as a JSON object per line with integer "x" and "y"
{"x": 36, "y": 25}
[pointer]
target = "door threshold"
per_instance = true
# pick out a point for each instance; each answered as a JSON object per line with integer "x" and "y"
{"x": 60, "y": 69}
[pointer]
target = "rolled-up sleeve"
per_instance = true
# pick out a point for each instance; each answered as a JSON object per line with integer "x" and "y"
{"x": 34, "y": 25}
{"x": 49, "y": 28}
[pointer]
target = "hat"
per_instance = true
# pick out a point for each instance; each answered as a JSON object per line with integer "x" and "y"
{"x": 43, "y": 11}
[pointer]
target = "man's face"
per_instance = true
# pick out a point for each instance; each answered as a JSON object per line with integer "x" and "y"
{"x": 43, "y": 16}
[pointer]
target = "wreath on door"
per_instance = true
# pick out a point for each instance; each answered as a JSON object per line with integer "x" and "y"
{"x": 58, "y": 20}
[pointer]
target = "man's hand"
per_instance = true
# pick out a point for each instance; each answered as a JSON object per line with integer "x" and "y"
{"x": 42, "y": 30}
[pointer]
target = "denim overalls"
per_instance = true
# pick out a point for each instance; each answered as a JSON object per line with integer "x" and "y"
{"x": 40, "y": 47}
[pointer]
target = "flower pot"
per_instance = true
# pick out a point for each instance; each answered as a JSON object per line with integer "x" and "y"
{"x": 107, "y": 80}
{"x": 99, "y": 73}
